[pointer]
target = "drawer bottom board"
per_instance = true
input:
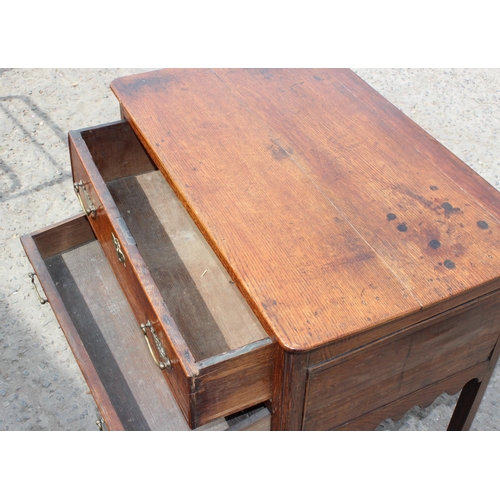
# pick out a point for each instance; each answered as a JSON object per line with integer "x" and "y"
{"x": 106, "y": 327}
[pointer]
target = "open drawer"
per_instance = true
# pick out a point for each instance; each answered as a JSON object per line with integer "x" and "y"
{"x": 201, "y": 332}
{"x": 106, "y": 340}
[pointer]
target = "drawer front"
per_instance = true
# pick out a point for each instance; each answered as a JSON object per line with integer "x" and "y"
{"x": 113, "y": 237}
{"x": 187, "y": 315}
{"x": 233, "y": 381}
{"x": 100, "y": 328}
{"x": 459, "y": 341}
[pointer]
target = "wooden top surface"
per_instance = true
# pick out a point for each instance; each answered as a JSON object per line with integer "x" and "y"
{"x": 332, "y": 211}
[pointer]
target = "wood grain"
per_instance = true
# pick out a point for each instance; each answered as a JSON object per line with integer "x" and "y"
{"x": 333, "y": 211}
{"x": 78, "y": 276}
{"x": 135, "y": 280}
{"x": 210, "y": 334}
{"x": 360, "y": 243}
{"x": 290, "y": 383}
{"x": 264, "y": 216}
{"x": 116, "y": 150}
{"x": 101, "y": 330}
{"x": 422, "y": 398}
{"x": 206, "y": 306}
{"x": 77, "y": 347}
{"x": 61, "y": 236}
{"x": 234, "y": 381}
{"x": 376, "y": 375}
{"x": 472, "y": 394}
{"x": 382, "y": 176}
{"x": 174, "y": 282}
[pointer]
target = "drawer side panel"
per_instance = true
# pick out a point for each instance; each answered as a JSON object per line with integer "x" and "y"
{"x": 134, "y": 279}
{"x": 36, "y": 258}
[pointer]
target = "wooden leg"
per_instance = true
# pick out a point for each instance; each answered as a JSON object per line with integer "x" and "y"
{"x": 289, "y": 393}
{"x": 467, "y": 405}
{"x": 471, "y": 396}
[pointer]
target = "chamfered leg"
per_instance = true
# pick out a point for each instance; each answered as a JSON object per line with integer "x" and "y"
{"x": 471, "y": 396}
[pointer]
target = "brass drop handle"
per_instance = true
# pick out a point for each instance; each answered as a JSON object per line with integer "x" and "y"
{"x": 164, "y": 362}
{"x": 88, "y": 211}
{"x": 119, "y": 253}
{"x": 42, "y": 300}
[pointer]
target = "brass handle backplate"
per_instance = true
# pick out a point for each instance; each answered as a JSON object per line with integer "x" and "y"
{"x": 42, "y": 300}
{"x": 163, "y": 362}
{"x": 91, "y": 210}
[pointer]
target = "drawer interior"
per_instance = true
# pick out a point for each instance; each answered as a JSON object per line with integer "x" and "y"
{"x": 208, "y": 309}
{"x": 104, "y": 335}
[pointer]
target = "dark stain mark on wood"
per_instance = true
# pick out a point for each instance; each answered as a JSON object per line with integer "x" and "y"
{"x": 433, "y": 188}
{"x": 317, "y": 78}
{"x": 278, "y": 152}
{"x": 358, "y": 257}
{"x": 402, "y": 227}
{"x": 431, "y": 233}
{"x": 434, "y": 244}
{"x": 266, "y": 73}
{"x": 391, "y": 216}
{"x": 448, "y": 207}
{"x": 152, "y": 83}
{"x": 458, "y": 249}
{"x": 482, "y": 224}
{"x": 449, "y": 264}
{"x": 417, "y": 197}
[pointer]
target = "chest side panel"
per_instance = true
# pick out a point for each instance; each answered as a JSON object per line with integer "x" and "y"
{"x": 350, "y": 386}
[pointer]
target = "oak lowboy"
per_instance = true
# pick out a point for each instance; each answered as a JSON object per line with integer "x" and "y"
{"x": 285, "y": 238}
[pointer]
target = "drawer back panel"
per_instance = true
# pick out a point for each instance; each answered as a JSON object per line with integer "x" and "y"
{"x": 116, "y": 151}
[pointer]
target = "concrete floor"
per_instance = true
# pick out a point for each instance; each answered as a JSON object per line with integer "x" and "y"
{"x": 41, "y": 387}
